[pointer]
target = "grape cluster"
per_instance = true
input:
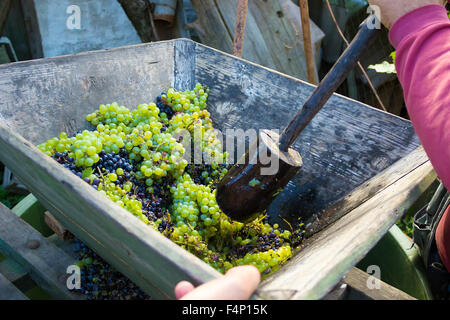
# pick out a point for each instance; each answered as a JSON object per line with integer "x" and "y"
{"x": 138, "y": 160}
{"x": 99, "y": 281}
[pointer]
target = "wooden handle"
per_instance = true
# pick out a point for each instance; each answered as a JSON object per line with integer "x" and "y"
{"x": 239, "y": 27}
{"x": 310, "y": 63}
{"x": 329, "y": 84}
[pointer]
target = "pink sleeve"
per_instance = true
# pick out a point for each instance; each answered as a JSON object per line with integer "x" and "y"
{"x": 422, "y": 40}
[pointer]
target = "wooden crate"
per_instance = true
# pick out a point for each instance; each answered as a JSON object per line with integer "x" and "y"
{"x": 363, "y": 167}
{"x": 33, "y": 260}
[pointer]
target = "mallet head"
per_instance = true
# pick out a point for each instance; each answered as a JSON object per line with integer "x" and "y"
{"x": 252, "y": 184}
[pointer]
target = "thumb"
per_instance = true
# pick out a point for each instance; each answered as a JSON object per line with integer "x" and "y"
{"x": 237, "y": 284}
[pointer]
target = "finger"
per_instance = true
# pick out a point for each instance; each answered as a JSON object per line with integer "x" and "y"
{"x": 237, "y": 284}
{"x": 183, "y": 288}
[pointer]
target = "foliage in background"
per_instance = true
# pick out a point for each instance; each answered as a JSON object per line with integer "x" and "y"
{"x": 385, "y": 66}
{"x": 388, "y": 67}
{"x": 7, "y": 198}
{"x": 406, "y": 224}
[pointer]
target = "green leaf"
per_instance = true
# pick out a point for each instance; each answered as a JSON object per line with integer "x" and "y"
{"x": 87, "y": 172}
{"x": 393, "y": 56}
{"x": 384, "y": 67}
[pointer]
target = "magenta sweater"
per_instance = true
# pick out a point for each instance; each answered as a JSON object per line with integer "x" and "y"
{"x": 422, "y": 40}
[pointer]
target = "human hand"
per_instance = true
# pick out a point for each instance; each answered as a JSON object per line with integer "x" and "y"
{"x": 237, "y": 284}
{"x": 392, "y": 10}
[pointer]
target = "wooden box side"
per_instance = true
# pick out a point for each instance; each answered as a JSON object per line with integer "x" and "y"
{"x": 345, "y": 145}
{"x": 41, "y": 98}
{"x": 329, "y": 254}
{"x": 148, "y": 258}
{"x": 243, "y": 95}
{"x": 363, "y": 168}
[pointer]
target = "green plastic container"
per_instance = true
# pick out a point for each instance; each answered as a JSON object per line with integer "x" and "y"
{"x": 400, "y": 264}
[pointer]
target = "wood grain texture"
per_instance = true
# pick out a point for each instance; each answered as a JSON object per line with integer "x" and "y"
{"x": 354, "y": 286}
{"x": 83, "y": 82}
{"x": 239, "y": 27}
{"x": 8, "y": 291}
{"x": 357, "y": 279}
{"x": 32, "y": 26}
{"x": 11, "y": 270}
{"x": 284, "y": 42}
{"x": 148, "y": 258}
{"x": 254, "y": 47}
{"x": 212, "y": 25}
{"x": 330, "y": 254}
{"x": 366, "y": 191}
{"x": 136, "y": 11}
{"x": 345, "y": 145}
{"x": 184, "y": 65}
{"x": 46, "y": 264}
{"x": 271, "y": 36}
{"x": 307, "y": 43}
{"x": 5, "y": 6}
{"x": 57, "y": 227}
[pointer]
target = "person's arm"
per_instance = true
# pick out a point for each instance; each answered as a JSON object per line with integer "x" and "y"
{"x": 422, "y": 40}
{"x": 421, "y": 34}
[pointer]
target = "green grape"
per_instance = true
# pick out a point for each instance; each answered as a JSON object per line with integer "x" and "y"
{"x": 161, "y": 179}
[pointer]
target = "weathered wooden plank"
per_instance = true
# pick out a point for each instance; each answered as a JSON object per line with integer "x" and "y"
{"x": 357, "y": 280}
{"x": 148, "y": 258}
{"x": 184, "y": 65}
{"x": 280, "y": 34}
{"x": 67, "y": 246}
{"x": 331, "y": 253}
{"x": 239, "y": 27}
{"x": 84, "y": 81}
{"x": 345, "y": 145}
{"x": 32, "y": 25}
{"x": 290, "y": 9}
{"x": 8, "y": 291}
{"x": 5, "y": 6}
{"x": 367, "y": 190}
{"x": 272, "y": 37}
{"x": 11, "y": 270}
{"x": 354, "y": 286}
{"x": 136, "y": 11}
{"x": 217, "y": 33}
{"x": 57, "y": 227}
{"x": 45, "y": 263}
{"x": 254, "y": 47}
{"x": 17, "y": 275}
{"x": 339, "y": 292}
{"x": 180, "y": 28}
{"x": 307, "y": 44}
